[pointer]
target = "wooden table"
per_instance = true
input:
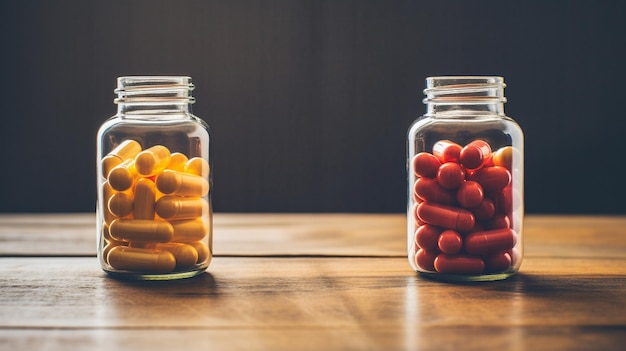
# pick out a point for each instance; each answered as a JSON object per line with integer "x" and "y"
{"x": 312, "y": 282}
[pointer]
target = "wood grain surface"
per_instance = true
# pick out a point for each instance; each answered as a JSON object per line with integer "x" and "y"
{"x": 281, "y": 294}
{"x": 312, "y": 234}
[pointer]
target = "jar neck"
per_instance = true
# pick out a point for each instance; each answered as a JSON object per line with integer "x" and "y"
{"x": 464, "y": 96}
{"x": 153, "y": 96}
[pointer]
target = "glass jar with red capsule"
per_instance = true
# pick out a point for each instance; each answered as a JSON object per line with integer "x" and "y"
{"x": 465, "y": 171}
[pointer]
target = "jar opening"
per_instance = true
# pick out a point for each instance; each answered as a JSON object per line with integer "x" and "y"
{"x": 154, "y": 90}
{"x": 464, "y": 90}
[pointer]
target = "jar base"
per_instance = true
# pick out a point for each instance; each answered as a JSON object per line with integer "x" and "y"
{"x": 152, "y": 276}
{"x": 458, "y": 278}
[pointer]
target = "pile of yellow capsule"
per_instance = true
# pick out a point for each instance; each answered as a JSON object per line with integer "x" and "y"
{"x": 155, "y": 209}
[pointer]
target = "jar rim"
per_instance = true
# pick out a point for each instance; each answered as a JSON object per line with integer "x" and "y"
{"x": 467, "y": 78}
{"x": 154, "y": 90}
{"x": 464, "y": 90}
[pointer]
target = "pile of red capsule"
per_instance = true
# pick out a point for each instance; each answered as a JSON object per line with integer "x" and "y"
{"x": 463, "y": 209}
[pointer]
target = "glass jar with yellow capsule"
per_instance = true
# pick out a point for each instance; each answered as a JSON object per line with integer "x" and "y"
{"x": 154, "y": 180}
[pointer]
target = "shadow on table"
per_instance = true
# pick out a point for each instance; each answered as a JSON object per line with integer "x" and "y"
{"x": 203, "y": 284}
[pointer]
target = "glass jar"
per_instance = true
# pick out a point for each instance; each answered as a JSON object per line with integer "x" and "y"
{"x": 154, "y": 216}
{"x": 465, "y": 175}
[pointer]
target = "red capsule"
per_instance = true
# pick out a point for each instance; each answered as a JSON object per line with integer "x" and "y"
{"x": 515, "y": 222}
{"x": 477, "y": 227}
{"x": 425, "y": 165}
{"x": 450, "y": 175}
{"x": 474, "y": 154}
{"x": 426, "y": 259}
{"x": 447, "y": 151}
{"x": 428, "y": 190}
{"x": 414, "y": 211}
{"x": 418, "y": 222}
{"x": 490, "y": 241}
{"x": 489, "y": 161}
{"x": 498, "y": 262}
{"x": 516, "y": 256}
{"x": 503, "y": 200}
{"x": 446, "y": 216}
{"x": 491, "y": 178}
{"x": 507, "y": 200}
{"x": 498, "y": 221}
{"x": 459, "y": 264}
{"x": 426, "y": 236}
{"x": 416, "y": 198}
{"x": 485, "y": 210}
{"x": 450, "y": 242}
{"x": 470, "y": 194}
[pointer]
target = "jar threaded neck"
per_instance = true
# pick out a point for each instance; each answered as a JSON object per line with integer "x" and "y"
{"x": 448, "y": 93}
{"x": 149, "y": 93}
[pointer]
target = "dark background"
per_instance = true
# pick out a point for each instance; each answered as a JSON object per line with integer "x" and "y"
{"x": 309, "y": 101}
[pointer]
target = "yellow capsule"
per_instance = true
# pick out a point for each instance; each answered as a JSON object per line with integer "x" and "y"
{"x": 141, "y": 260}
{"x": 108, "y": 245}
{"x": 121, "y": 204}
{"x": 198, "y": 166}
{"x": 204, "y": 254}
{"x": 152, "y": 160}
{"x": 108, "y": 240}
{"x": 189, "y": 230}
{"x": 507, "y": 156}
{"x": 108, "y": 163}
{"x": 123, "y": 176}
{"x": 105, "y": 232}
{"x": 107, "y": 192}
{"x": 186, "y": 255}
{"x": 178, "y": 207}
{"x": 141, "y": 244}
{"x": 177, "y": 183}
{"x": 178, "y": 161}
{"x": 105, "y": 252}
{"x": 145, "y": 198}
{"x": 126, "y": 150}
{"x": 142, "y": 230}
